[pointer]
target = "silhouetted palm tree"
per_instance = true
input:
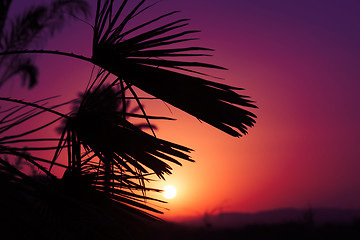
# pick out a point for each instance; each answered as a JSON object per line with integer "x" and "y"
{"x": 30, "y": 29}
{"x": 109, "y": 159}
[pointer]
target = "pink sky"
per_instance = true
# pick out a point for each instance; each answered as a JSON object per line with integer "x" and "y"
{"x": 299, "y": 61}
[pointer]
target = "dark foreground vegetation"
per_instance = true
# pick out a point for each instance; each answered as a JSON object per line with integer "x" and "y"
{"x": 286, "y": 230}
{"x": 79, "y": 167}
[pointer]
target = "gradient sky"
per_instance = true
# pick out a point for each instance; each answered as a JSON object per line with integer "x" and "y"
{"x": 299, "y": 60}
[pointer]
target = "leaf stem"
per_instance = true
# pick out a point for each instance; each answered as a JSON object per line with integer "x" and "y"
{"x": 48, "y": 52}
{"x": 33, "y": 105}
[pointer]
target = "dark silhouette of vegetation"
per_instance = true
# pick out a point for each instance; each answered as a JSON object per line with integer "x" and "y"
{"x": 278, "y": 231}
{"x": 31, "y": 29}
{"x": 106, "y": 159}
{"x": 275, "y": 224}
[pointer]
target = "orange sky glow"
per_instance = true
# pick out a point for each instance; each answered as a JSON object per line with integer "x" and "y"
{"x": 299, "y": 61}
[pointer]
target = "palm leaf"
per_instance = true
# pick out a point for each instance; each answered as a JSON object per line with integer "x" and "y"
{"x": 118, "y": 155}
{"x": 4, "y": 8}
{"x": 12, "y": 124}
{"x": 138, "y": 61}
{"x": 109, "y": 133}
{"x": 109, "y": 158}
{"x": 31, "y": 28}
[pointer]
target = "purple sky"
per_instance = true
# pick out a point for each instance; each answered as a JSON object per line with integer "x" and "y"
{"x": 299, "y": 60}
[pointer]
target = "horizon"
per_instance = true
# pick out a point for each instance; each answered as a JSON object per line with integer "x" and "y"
{"x": 297, "y": 61}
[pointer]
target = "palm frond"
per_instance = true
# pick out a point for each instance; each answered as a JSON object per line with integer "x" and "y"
{"x": 78, "y": 195}
{"x": 4, "y": 9}
{"x": 40, "y": 22}
{"x": 106, "y": 132}
{"x": 32, "y": 28}
{"x": 19, "y": 126}
{"x": 117, "y": 155}
{"x": 109, "y": 158}
{"x": 24, "y": 67}
{"x": 140, "y": 59}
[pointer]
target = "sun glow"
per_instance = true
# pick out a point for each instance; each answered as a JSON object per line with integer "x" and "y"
{"x": 169, "y": 192}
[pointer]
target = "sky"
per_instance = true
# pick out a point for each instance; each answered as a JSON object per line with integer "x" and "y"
{"x": 298, "y": 60}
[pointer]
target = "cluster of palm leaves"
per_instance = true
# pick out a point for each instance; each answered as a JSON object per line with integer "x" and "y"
{"x": 105, "y": 159}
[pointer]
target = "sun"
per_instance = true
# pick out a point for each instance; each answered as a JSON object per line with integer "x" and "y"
{"x": 169, "y": 192}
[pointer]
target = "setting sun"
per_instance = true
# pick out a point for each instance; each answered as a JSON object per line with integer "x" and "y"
{"x": 169, "y": 192}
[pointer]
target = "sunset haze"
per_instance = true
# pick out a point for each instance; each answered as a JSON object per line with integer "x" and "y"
{"x": 298, "y": 60}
